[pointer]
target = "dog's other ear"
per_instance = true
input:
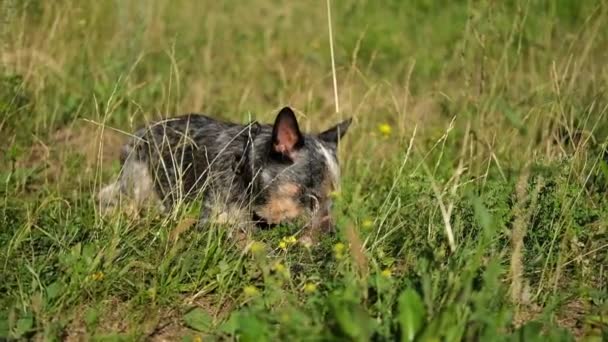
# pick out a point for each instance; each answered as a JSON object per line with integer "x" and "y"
{"x": 286, "y": 135}
{"x": 336, "y": 133}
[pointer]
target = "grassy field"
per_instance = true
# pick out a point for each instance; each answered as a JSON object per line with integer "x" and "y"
{"x": 475, "y": 176}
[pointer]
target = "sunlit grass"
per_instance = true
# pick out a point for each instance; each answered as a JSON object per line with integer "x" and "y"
{"x": 473, "y": 201}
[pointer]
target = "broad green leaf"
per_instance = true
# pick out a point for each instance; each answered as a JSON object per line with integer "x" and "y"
{"x": 411, "y": 314}
{"x": 353, "y": 320}
{"x": 24, "y": 325}
{"x": 53, "y": 290}
{"x": 252, "y": 329}
{"x": 230, "y": 326}
{"x": 198, "y": 319}
{"x": 452, "y": 323}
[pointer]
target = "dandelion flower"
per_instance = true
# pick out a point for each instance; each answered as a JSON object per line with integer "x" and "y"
{"x": 386, "y": 273}
{"x": 310, "y": 287}
{"x": 339, "y": 250}
{"x": 251, "y": 291}
{"x": 257, "y": 247}
{"x": 281, "y": 269}
{"x": 385, "y": 129}
{"x": 151, "y": 292}
{"x": 97, "y": 276}
{"x": 287, "y": 241}
{"x": 283, "y": 245}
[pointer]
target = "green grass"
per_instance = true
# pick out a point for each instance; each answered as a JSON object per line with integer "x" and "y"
{"x": 499, "y": 128}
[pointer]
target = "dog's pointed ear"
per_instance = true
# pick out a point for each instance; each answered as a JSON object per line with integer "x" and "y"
{"x": 336, "y": 133}
{"x": 286, "y": 135}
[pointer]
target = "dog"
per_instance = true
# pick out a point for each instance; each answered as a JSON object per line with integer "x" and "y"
{"x": 257, "y": 173}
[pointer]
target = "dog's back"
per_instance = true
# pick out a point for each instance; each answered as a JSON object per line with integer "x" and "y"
{"x": 171, "y": 160}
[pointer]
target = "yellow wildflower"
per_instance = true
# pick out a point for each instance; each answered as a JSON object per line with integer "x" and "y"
{"x": 257, "y": 247}
{"x": 283, "y": 245}
{"x": 152, "y": 292}
{"x": 385, "y": 129}
{"x": 197, "y": 338}
{"x": 386, "y": 273}
{"x": 279, "y": 267}
{"x": 339, "y": 247}
{"x": 287, "y": 241}
{"x": 97, "y": 276}
{"x": 251, "y": 291}
{"x": 367, "y": 224}
{"x": 339, "y": 250}
{"x": 310, "y": 287}
{"x": 334, "y": 194}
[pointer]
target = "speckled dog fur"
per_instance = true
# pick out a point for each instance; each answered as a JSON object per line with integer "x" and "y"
{"x": 265, "y": 173}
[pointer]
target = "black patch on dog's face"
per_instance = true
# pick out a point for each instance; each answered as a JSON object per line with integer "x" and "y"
{"x": 296, "y": 172}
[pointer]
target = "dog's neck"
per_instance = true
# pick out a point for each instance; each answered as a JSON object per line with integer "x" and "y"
{"x": 244, "y": 164}
{"x": 246, "y": 168}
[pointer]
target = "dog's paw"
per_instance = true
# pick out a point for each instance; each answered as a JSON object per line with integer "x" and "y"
{"x": 307, "y": 241}
{"x": 108, "y": 200}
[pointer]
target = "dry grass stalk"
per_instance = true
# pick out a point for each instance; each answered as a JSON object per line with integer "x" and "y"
{"x": 522, "y": 214}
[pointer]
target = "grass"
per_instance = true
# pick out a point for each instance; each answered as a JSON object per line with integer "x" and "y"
{"x": 481, "y": 120}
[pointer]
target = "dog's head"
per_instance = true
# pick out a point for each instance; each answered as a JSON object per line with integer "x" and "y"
{"x": 296, "y": 172}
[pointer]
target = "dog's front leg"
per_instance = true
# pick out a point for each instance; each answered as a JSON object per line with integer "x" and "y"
{"x": 204, "y": 218}
{"x": 216, "y": 210}
{"x": 206, "y": 211}
{"x": 320, "y": 223}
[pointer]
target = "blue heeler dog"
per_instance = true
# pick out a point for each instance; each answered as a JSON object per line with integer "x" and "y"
{"x": 265, "y": 174}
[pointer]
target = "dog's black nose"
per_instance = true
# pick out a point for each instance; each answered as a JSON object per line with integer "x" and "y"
{"x": 260, "y": 222}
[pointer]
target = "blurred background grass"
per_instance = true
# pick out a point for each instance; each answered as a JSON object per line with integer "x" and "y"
{"x": 478, "y": 97}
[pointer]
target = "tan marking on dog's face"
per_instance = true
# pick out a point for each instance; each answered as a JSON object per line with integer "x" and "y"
{"x": 288, "y": 189}
{"x": 282, "y": 205}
